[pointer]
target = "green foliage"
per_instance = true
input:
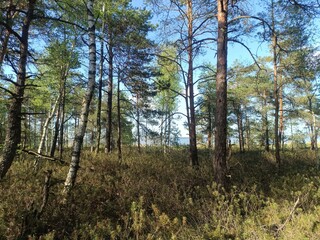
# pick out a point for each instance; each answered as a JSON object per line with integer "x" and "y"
{"x": 207, "y": 99}
{"x": 155, "y": 196}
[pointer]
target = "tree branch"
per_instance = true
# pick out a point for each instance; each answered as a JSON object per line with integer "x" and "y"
{"x": 53, "y": 159}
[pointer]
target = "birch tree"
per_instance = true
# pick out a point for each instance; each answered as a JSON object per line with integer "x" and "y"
{"x": 78, "y": 139}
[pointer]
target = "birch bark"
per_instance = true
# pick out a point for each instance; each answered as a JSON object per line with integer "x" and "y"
{"x": 78, "y": 139}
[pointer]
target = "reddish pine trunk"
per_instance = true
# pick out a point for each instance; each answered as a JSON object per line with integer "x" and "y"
{"x": 275, "y": 89}
{"x": 220, "y": 160}
{"x": 193, "y": 151}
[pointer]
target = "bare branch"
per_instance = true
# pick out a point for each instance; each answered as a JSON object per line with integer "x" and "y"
{"x": 245, "y": 46}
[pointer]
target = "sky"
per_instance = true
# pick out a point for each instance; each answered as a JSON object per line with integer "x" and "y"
{"x": 236, "y": 52}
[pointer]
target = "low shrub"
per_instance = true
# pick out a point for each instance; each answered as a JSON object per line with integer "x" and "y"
{"x": 156, "y": 196}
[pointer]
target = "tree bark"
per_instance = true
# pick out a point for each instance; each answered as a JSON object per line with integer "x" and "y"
{"x": 193, "y": 151}
{"x": 220, "y": 160}
{"x": 240, "y": 127}
{"x": 248, "y": 132}
{"x": 13, "y": 132}
{"x": 56, "y": 129}
{"x": 281, "y": 118}
{"x": 138, "y": 124}
{"x": 165, "y": 145}
{"x": 265, "y": 122}
{"x": 63, "y": 104}
{"x": 4, "y": 46}
{"x": 110, "y": 91}
{"x": 78, "y": 139}
{"x": 98, "y": 137}
{"x": 10, "y": 15}
{"x": 312, "y": 126}
{"x": 46, "y": 126}
{"x": 162, "y": 131}
{"x": 169, "y": 128}
{"x": 276, "y": 89}
{"x": 119, "y": 121}
{"x": 209, "y": 127}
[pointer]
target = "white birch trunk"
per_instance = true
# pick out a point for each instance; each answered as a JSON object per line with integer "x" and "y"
{"x": 46, "y": 126}
{"x": 78, "y": 139}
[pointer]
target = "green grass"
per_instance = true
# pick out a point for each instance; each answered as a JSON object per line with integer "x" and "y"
{"x": 156, "y": 196}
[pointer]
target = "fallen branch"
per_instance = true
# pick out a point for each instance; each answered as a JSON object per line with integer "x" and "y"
{"x": 44, "y": 156}
{"x": 289, "y": 217}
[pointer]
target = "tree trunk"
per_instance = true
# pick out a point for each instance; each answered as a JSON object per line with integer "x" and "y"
{"x": 110, "y": 90}
{"x": 169, "y": 129}
{"x": 138, "y": 125}
{"x": 165, "y": 129}
{"x": 209, "y": 127}
{"x": 248, "y": 132}
{"x": 312, "y": 125}
{"x": 4, "y": 46}
{"x": 265, "y": 122}
{"x": 34, "y": 132}
{"x": 281, "y": 124}
{"x": 56, "y": 130}
{"x": 193, "y": 151}
{"x": 63, "y": 104}
{"x": 46, "y": 126}
{"x": 220, "y": 161}
{"x": 78, "y": 139}
{"x": 315, "y": 132}
{"x": 163, "y": 118}
{"x": 276, "y": 89}
{"x": 98, "y": 137}
{"x": 276, "y": 104}
{"x": 13, "y": 132}
{"x": 10, "y": 15}
{"x": 119, "y": 121}
{"x": 240, "y": 127}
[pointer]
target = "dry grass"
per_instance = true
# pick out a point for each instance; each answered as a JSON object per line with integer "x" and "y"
{"x": 156, "y": 196}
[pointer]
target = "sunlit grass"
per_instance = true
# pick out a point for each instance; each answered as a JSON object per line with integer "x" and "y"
{"x": 158, "y": 196}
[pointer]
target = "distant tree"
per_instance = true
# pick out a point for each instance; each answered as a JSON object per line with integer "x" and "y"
{"x": 300, "y": 62}
{"x": 124, "y": 126}
{"x": 240, "y": 93}
{"x": 168, "y": 89}
{"x": 187, "y": 24}
{"x": 206, "y": 102}
{"x": 141, "y": 91}
{"x": 57, "y": 65}
{"x": 127, "y": 42}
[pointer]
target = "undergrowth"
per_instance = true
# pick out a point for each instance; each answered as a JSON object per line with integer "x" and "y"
{"x": 156, "y": 196}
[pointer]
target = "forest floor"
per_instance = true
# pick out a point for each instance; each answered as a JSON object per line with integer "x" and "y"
{"x": 156, "y": 196}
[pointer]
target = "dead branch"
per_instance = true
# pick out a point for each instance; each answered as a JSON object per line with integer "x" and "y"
{"x": 290, "y": 216}
{"x": 53, "y": 159}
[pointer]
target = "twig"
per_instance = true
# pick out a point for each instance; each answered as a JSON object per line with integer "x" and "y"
{"x": 290, "y": 216}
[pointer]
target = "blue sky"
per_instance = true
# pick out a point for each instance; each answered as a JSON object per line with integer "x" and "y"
{"x": 236, "y": 52}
